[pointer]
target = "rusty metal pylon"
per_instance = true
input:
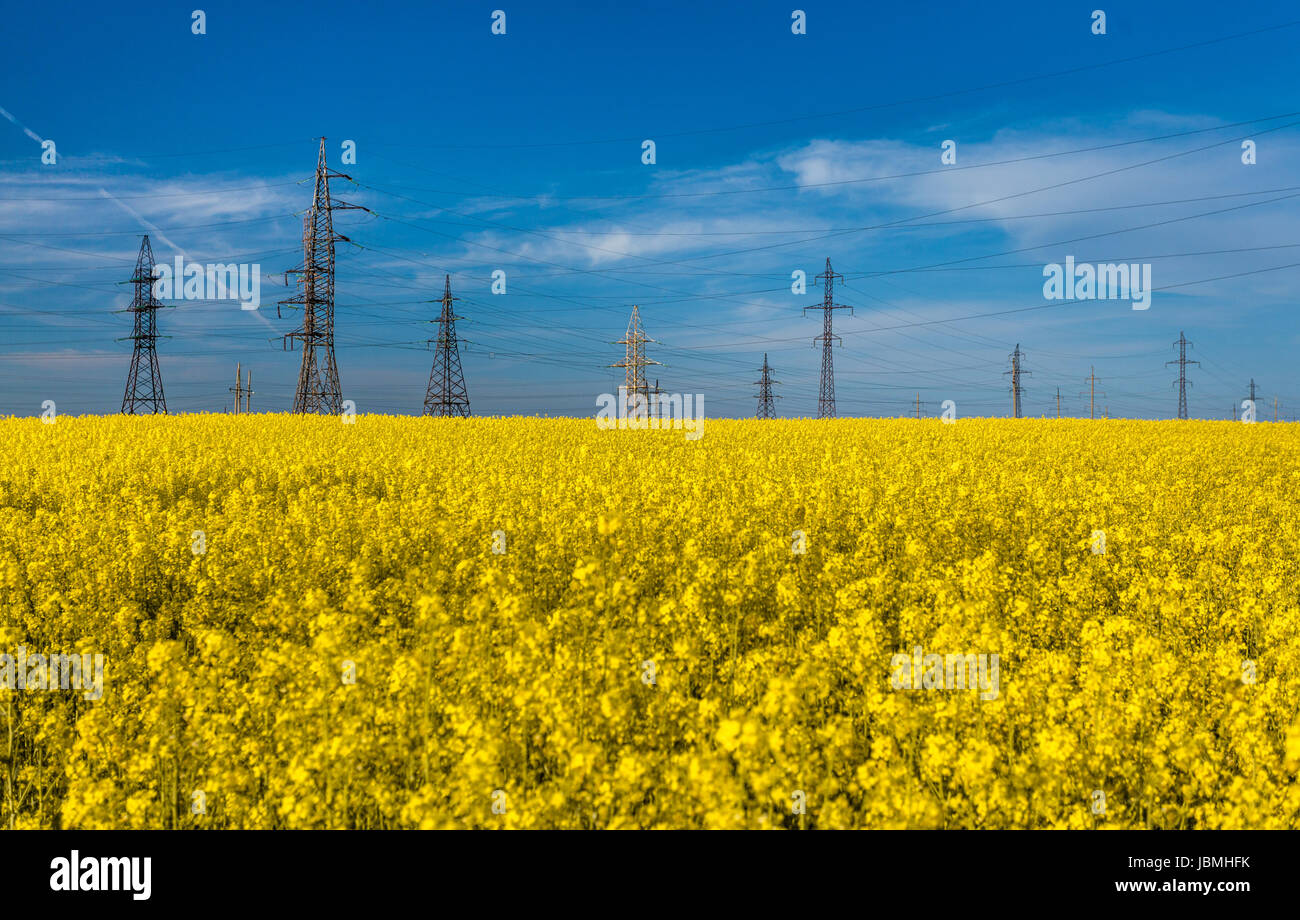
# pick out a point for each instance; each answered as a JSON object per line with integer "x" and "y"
{"x": 636, "y": 391}
{"x": 318, "y": 378}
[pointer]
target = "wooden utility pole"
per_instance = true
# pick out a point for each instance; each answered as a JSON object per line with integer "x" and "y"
{"x": 1092, "y": 392}
{"x": 242, "y": 393}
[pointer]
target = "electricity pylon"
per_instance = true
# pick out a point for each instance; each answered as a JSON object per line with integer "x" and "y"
{"x": 826, "y": 393}
{"x": 1182, "y": 363}
{"x": 144, "y": 387}
{"x": 1058, "y": 402}
{"x": 636, "y": 392}
{"x": 1092, "y": 392}
{"x": 318, "y": 377}
{"x": 446, "y": 394}
{"x": 1016, "y": 373}
{"x": 765, "y": 395}
{"x": 242, "y": 393}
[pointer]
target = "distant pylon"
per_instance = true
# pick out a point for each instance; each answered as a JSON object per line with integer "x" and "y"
{"x": 243, "y": 392}
{"x": 1092, "y": 392}
{"x": 765, "y": 394}
{"x": 1182, "y": 363}
{"x": 636, "y": 392}
{"x": 446, "y": 394}
{"x": 1252, "y": 390}
{"x": 1058, "y": 402}
{"x": 655, "y": 393}
{"x": 318, "y": 377}
{"x": 1016, "y": 373}
{"x": 144, "y": 388}
{"x": 826, "y": 393}
{"x": 918, "y": 405}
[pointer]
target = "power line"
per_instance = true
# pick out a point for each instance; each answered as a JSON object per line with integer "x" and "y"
{"x": 885, "y": 105}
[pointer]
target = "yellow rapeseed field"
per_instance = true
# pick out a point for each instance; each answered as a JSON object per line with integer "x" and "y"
{"x": 533, "y": 623}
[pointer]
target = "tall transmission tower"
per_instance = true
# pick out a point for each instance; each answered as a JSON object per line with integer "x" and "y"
{"x": 1182, "y": 363}
{"x": 1058, "y": 402}
{"x": 636, "y": 392}
{"x": 1091, "y": 380}
{"x": 242, "y": 392}
{"x": 318, "y": 377}
{"x": 1016, "y": 373}
{"x": 1252, "y": 390}
{"x": 144, "y": 387}
{"x": 765, "y": 395}
{"x": 826, "y": 394}
{"x": 446, "y": 394}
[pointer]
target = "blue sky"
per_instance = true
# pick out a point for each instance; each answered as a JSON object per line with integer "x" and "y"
{"x": 522, "y": 152}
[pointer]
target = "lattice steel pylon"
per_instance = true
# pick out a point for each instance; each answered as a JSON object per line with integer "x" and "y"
{"x": 636, "y": 392}
{"x": 318, "y": 378}
{"x": 144, "y": 388}
{"x": 765, "y": 395}
{"x": 1016, "y": 373}
{"x": 826, "y": 394}
{"x": 1182, "y": 363}
{"x": 446, "y": 394}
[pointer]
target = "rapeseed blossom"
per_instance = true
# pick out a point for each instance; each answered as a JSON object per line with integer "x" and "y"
{"x": 533, "y": 623}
